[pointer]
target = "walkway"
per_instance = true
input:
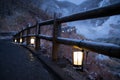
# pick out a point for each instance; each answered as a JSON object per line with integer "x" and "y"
{"x": 17, "y": 63}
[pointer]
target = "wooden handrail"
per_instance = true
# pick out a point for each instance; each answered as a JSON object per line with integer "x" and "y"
{"x": 94, "y": 13}
{"x": 101, "y": 48}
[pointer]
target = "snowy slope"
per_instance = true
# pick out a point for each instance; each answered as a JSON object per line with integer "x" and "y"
{"x": 100, "y": 27}
{"x": 62, "y": 8}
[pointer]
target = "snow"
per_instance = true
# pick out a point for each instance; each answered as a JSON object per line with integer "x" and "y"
{"x": 101, "y": 43}
{"x": 115, "y": 21}
{"x": 104, "y": 3}
{"x": 74, "y": 1}
{"x": 66, "y": 12}
{"x": 101, "y": 57}
{"x": 112, "y": 20}
{"x": 92, "y": 31}
{"x": 99, "y": 29}
{"x": 7, "y": 37}
{"x": 50, "y": 7}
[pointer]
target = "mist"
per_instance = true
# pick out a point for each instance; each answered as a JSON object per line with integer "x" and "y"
{"x": 110, "y": 28}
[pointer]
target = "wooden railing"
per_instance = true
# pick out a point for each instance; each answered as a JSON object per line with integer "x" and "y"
{"x": 101, "y": 48}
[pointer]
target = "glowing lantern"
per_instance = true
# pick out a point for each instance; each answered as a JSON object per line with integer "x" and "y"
{"x": 20, "y": 40}
{"x": 78, "y": 58}
{"x": 32, "y": 41}
{"x": 15, "y": 40}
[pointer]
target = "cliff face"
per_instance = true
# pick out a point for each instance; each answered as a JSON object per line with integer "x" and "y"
{"x": 14, "y": 15}
{"x": 100, "y": 27}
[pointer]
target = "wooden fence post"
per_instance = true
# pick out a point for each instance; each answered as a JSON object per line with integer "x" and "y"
{"x": 14, "y": 38}
{"x": 18, "y": 37}
{"x": 37, "y": 39}
{"x": 56, "y": 33}
{"x": 21, "y": 37}
{"x": 28, "y": 38}
{"x": 22, "y": 34}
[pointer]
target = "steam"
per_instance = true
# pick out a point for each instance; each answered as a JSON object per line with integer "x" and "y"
{"x": 109, "y": 28}
{"x": 90, "y": 31}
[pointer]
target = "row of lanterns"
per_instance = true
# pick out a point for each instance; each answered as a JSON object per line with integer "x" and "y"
{"x": 78, "y": 54}
{"x": 32, "y": 41}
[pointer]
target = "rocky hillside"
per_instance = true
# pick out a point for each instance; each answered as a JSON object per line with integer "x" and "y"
{"x": 14, "y": 15}
{"x": 91, "y": 29}
{"x": 100, "y": 27}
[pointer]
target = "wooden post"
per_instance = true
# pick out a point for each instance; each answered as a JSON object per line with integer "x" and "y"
{"x": 21, "y": 37}
{"x": 18, "y": 39}
{"x": 28, "y": 38}
{"x": 22, "y": 34}
{"x": 14, "y": 37}
{"x": 56, "y": 33}
{"x": 37, "y": 39}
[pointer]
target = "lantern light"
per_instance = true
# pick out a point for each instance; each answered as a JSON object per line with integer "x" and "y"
{"x": 15, "y": 40}
{"x": 20, "y": 40}
{"x": 78, "y": 58}
{"x": 32, "y": 41}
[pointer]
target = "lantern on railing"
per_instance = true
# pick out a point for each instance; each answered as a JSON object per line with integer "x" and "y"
{"x": 78, "y": 58}
{"x": 20, "y": 40}
{"x": 15, "y": 40}
{"x": 32, "y": 41}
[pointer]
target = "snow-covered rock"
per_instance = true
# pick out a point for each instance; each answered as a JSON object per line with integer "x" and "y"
{"x": 101, "y": 57}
